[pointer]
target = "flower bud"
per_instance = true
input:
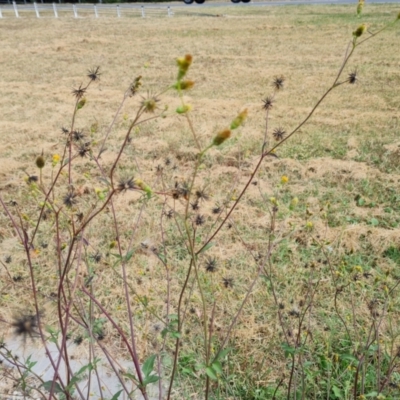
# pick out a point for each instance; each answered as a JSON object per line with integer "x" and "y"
{"x": 184, "y": 85}
{"x": 221, "y": 137}
{"x": 359, "y": 31}
{"x": 81, "y": 103}
{"x": 184, "y": 109}
{"x": 183, "y": 65}
{"x": 238, "y": 121}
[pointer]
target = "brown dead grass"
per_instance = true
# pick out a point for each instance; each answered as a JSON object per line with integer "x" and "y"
{"x": 235, "y": 57}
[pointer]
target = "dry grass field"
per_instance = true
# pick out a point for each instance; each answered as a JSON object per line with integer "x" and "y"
{"x": 319, "y": 227}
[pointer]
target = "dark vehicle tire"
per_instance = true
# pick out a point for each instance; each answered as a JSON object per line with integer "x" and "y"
{"x": 245, "y": 1}
{"x": 235, "y": 1}
{"x": 188, "y": 1}
{"x": 199, "y": 1}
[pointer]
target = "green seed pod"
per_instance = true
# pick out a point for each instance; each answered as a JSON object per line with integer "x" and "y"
{"x": 40, "y": 162}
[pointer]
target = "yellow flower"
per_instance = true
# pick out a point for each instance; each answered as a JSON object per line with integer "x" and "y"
{"x": 358, "y": 268}
{"x": 56, "y": 158}
{"x": 284, "y": 179}
{"x": 309, "y": 225}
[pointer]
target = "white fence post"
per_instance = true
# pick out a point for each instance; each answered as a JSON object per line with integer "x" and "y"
{"x": 95, "y": 11}
{"x": 118, "y": 11}
{"x": 1, "y": 15}
{"x": 142, "y": 11}
{"x": 36, "y": 9}
{"x": 55, "y": 10}
{"x": 75, "y": 10}
{"x": 15, "y": 9}
{"x": 169, "y": 11}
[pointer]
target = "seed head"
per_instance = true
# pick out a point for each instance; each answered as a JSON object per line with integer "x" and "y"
{"x": 227, "y": 282}
{"x": 268, "y": 102}
{"x": 353, "y": 77}
{"x": 211, "y": 264}
{"x": 169, "y": 214}
{"x": 77, "y": 135}
{"x": 279, "y": 134}
{"x": 78, "y": 93}
{"x": 94, "y": 74}
{"x": 69, "y": 199}
{"x": 125, "y": 184}
{"x": 149, "y": 104}
{"x": 64, "y": 130}
{"x": 84, "y": 149}
{"x": 201, "y": 194}
{"x": 195, "y": 206}
{"x": 200, "y": 219}
{"x": 216, "y": 209}
{"x": 278, "y": 82}
{"x": 78, "y": 340}
{"x": 25, "y": 325}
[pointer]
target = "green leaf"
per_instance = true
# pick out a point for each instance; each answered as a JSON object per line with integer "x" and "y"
{"x": 175, "y": 334}
{"x": 47, "y": 386}
{"x": 374, "y": 222}
{"x": 223, "y": 353}
{"x": 148, "y": 365}
{"x": 129, "y": 255}
{"x": 116, "y": 395}
{"x": 150, "y": 379}
{"x": 211, "y": 374}
{"x": 337, "y": 392}
{"x": 132, "y": 377}
{"x": 217, "y": 367}
{"x": 207, "y": 247}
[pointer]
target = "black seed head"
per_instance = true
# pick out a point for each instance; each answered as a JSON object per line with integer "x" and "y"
{"x": 200, "y": 219}
{"x": 26, "y": 325}
{"x": 268, "y": 102}
{"x": 94, "y": 74}
{"x": 125, "y": 184}
{"x": 96, "y": 257}
{"x": 216, "y": 209}
{"x": 69, "y": 199}
{"x": 77, "y": 135}
{"x": 78, "y": 340}
{"x": 195, "y": 206}
{"x": 84, "y": 149}
{"x": 78, "y": 93}
{"x": 32, "y": 179}
{"x": 278, "y": 82}
{"x": 169, "y": 214}
{"x": 227, "y": 282}
{"x": 279, "y": 134}
{"x": 353, "y": 77}
{"x": 64, "y": 130}
{"x": 211, "y": 264}
{"x": 201, "y": 194}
